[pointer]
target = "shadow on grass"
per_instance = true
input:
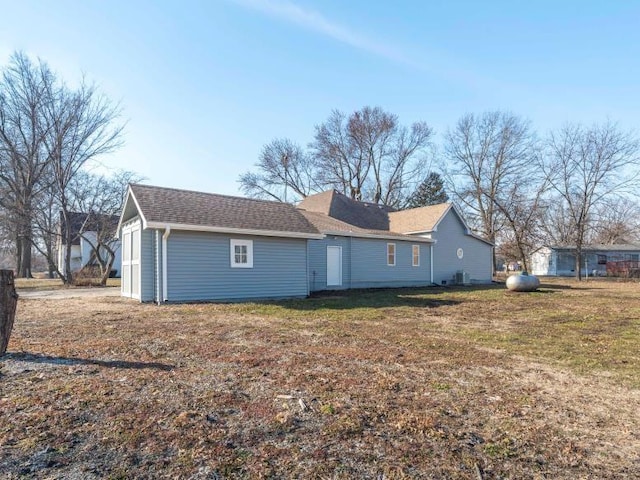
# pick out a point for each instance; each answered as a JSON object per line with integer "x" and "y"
{"x": 39, "y": 358}
{"x": 418, "y": 297}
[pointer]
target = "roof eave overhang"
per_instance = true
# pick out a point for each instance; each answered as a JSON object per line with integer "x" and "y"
{"x": 229, "y": 230}
{"x": 380, "y": 237}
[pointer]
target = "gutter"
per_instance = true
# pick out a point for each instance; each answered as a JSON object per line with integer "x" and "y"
{"x": 234, "y": 231}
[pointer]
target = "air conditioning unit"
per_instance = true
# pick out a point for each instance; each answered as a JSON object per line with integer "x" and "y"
{"x": 462, "y": 278}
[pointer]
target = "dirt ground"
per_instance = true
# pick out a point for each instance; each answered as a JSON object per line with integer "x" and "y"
{"x": 433, "y": 383}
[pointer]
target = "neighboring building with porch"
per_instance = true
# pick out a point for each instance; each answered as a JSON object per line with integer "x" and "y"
{"x": 561, "y": 260}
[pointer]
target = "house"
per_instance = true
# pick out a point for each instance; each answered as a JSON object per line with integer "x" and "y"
{"x": 358, "y": 249}
{"x": 181, "y": 245}
{"x": 84, "y": 229}
{"x": 559, "y": 260}
{"x": 455, "y": 255}
{"x": 354, "y": 257}
{"x": 460, "y": 256}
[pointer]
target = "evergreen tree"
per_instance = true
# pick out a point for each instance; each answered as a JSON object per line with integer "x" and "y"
{"x": 430, "y": 192}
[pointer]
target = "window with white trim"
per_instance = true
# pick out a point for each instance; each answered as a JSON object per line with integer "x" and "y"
{"x": 415, "y": 250}
{"x": 391, "y": 254}
{"x": 241, "y": 253}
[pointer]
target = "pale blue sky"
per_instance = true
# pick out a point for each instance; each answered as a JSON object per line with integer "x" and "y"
{"x": 204, "y": 84}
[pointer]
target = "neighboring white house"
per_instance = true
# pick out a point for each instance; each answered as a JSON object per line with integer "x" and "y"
{"x": 83, "y": 236}
{"x": 560, "y": 260}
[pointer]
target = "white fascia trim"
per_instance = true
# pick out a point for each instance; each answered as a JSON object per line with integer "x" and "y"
{"x": 234, "y": 231}
{"x": 419, "y": 232}
{"x": 140, "y": 214}
{"x": 444, "y": 214}
{"x": 381, "y": 237}
{"x": 478, "y": 237}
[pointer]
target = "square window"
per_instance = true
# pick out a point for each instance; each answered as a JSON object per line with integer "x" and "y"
{"x": 391, "y": 254}
{"x": 241, "y": 253}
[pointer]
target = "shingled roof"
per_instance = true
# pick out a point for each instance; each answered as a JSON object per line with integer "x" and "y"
{"x": 159, "y": 207}
{"x": 337, "y": 205}
{"x": 421, "y": 219}
{"x": 332, "y": 226}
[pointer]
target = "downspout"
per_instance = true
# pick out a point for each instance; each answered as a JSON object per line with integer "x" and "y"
{"x": 158, "y": 269}
{"x": 431, "y": 260}
{"x": 307, "y": 273}
{"x": 165, "y": 236}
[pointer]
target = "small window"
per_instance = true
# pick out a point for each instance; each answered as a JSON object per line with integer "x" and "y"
{"x": 416, "y": 255}
{"x": 391, "y": 254}
{"x": 241, "y": 253}
{"x": 602, "y": 259}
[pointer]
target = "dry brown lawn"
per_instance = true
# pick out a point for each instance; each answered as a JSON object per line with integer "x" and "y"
{"x": 472, "y": 383}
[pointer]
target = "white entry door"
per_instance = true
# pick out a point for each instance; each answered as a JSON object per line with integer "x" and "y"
{"x": 334, "y": 266}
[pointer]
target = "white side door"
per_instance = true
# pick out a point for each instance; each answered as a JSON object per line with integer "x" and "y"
{"x": 334, "y": 266}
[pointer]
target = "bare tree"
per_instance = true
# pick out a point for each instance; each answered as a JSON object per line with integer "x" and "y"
{"x": 586, "y": 167}
{"x": 24, "y": 88}
{"x": 102, "y": 199}
{"x": 82, "y": 127}
{"x": 557, "y": 224}
{"x": 617, "y": 221}
{"x": 522, "y": 206}
{"x": 369, "y": 155}
{"x": 45, "y": 221}
{"x": 285, "y": 173}
{"x": 489, "y": 158}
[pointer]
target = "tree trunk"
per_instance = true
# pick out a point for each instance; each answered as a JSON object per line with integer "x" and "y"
{"x": 24, "y": 269}
{"x": 8, "y": 304}
{"x": 579, "y": 264}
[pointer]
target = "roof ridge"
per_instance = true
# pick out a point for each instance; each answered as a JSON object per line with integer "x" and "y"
{"x": 235, "y": 197}
{"x": 423, "y": 207}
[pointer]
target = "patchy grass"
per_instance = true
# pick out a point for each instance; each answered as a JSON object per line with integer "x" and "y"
{"x": 38, "y": 283}
{"x": 413, "y": 383}
{"x": 55, "y": 283}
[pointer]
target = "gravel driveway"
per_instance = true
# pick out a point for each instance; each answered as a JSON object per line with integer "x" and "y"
{"x": 64, "y": 293}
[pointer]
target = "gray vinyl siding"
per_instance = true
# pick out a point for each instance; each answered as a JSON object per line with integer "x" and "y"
{"x": 364, "y": 264}
{"x": 147, "y": 265}
{"x": 318, "y": 262}
{"x": 477, "y": 255}
{"x": 198, "y": 268}
{"x": 369, "y": 267}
